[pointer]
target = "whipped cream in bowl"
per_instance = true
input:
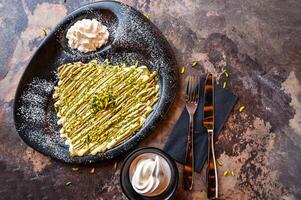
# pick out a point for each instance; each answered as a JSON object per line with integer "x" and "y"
{"x": 87, "y": 35}
{"x": 149, "y": 173}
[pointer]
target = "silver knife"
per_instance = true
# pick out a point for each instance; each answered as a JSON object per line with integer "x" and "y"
{"x": 208, "y": 122}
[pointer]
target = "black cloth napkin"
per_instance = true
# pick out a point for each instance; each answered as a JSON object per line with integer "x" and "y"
{"x": 177, "y": 141}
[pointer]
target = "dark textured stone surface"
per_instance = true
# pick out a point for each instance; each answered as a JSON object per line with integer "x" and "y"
{"x": 259, "y": 44}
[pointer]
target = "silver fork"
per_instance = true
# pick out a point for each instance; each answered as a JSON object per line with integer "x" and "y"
{"x": 192, "y": 99}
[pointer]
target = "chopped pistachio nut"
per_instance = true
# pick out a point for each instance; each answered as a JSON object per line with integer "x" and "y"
{"x": 194, "y": 64}
{"x": 232, "y": 172}
{"x": 69, "y": 183}
{"x": 138, "y": 63}
{"x": 241, "y": 108}
{"x": 182, "y": 70}
{"x": 224, "y": 84}
{"x": 226, "y": 74}
{"x": 225, "y": 173}
{"x": 219, "y": 162}
{"x": 128, "y": 61}
{"x": 102, "y": 101}
{"x": 45, "y": 32}
{"x": 147, "y": 16}
{"x": 115, "y": 165}
{"x": 107, "y": 61}
{"x": 92, "y": 170}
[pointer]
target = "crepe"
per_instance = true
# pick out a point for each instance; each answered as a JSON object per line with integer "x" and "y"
{"x": 101, "y": 105}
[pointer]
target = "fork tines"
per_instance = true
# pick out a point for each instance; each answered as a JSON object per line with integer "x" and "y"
{"x": 193, "y": 89}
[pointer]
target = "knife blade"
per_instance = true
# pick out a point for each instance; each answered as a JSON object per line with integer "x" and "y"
{"x": 209, "y": 103}
{"x": 208, "y": 122}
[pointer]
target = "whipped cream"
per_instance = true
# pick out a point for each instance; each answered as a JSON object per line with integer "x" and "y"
{"x": 150, "y": 175}
{"x": 87, "y": 35}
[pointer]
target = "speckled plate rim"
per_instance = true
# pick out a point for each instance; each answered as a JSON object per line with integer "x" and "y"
{"x": 167, "y": 96}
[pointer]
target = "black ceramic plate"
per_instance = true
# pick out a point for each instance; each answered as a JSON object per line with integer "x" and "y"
{"x": 132, "y": 37}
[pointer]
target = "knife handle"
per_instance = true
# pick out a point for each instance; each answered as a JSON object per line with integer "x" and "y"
{"x": 211, "y": 171}
{"x": 188, "y": 167}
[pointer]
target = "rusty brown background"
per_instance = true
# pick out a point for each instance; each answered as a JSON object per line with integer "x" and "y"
{"x": 259, "y": 44}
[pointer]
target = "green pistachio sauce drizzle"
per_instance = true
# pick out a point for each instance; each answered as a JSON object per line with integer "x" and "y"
{"x": 100, "y": 105}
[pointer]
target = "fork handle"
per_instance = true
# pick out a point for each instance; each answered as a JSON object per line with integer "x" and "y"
{"x": 188, "y": 167}
{"x": 211, "y": 171}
